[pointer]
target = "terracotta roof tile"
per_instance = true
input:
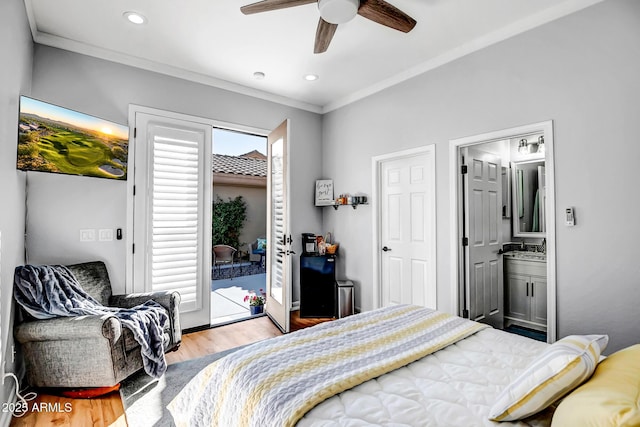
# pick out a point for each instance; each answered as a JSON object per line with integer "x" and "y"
{"x": 238, "y": 165}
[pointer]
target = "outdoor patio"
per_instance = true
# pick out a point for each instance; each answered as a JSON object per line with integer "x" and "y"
{"x": 229, "y": 286}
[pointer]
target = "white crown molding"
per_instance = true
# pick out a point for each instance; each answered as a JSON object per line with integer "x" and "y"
{"x": 558, "y": 11}
{"x": 145, "y": 64}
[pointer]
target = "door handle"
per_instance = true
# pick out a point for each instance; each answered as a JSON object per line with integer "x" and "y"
{"x": 527, "y": 288}
{"x": 386, "y": 249}
{"x": 531, "y": 289}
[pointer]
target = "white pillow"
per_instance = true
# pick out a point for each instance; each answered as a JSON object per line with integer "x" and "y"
{"x": 559, "y": 369}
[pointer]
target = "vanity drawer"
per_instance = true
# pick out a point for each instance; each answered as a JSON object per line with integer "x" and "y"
{"x": 525, "y": 267}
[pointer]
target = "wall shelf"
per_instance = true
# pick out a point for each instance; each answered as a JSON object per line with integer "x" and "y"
{"x": 353, "y": 205}
{"x": 326, "y": 198}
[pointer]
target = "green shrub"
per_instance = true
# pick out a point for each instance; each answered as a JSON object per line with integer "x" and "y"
{"x": 228, "y": 218}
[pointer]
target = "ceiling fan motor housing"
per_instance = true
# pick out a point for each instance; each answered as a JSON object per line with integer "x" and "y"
{"x": 338, "y": 11}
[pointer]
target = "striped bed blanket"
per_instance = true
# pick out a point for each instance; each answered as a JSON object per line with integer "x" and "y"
{"x": 276, "y": 381}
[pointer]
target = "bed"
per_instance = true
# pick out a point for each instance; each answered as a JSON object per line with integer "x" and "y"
{"x": 397, "y": 366}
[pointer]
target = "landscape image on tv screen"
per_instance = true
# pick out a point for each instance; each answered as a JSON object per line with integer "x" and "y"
{"x": 59, "y": 140}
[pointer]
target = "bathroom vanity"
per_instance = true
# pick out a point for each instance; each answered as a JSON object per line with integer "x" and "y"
{"x": 526, "y": 289}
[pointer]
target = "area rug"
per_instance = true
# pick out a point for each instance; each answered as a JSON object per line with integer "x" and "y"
{"x": 530, "y": 333}
{"x": 238, "y": 270}
{"x": 145, "y": 399}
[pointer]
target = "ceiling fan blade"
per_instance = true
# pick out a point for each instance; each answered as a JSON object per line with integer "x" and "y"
{"x": 324, "y": 34}
{"x": 383, "y": 13}
{"x": 267, "y": 5}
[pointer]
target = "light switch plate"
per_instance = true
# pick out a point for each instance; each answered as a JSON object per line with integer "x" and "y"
{"x": 88, "y": 235}
{"x": 105, "y": 235}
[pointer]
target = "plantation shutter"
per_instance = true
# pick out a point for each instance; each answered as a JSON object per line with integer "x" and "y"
{"x": 175, "y": 207}
{"x": 172, "y": 205}
{"x": 279, "y": 241}
{"x": 278, "y": 230}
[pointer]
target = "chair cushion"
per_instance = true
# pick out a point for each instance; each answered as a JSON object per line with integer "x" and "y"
{"x": 93, "y": 279}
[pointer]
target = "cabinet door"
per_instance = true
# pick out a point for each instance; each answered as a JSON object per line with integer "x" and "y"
{"x": 518, "y": 303}
{"x": 539, "y": 300}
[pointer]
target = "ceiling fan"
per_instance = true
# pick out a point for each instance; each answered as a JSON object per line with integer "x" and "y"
{"x": 335, "y": 12}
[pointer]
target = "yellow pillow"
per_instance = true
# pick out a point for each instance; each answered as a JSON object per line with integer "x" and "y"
{"x": 611, "y": 398}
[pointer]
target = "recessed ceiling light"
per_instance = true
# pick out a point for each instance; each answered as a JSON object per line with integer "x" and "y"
{"x": 311, "y": 77}
{"x": 258, "y": 75}
{"x": 135, "y": 18}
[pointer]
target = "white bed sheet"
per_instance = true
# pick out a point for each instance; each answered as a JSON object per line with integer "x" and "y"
{"x": 454, "y": 387}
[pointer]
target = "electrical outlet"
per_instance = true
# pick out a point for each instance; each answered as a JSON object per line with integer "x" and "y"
{"x": 88, "y": 235}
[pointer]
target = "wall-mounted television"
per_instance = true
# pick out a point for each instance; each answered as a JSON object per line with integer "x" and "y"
{"x": 59, "y": 140}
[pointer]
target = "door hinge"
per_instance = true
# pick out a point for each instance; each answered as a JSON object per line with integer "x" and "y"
{"x": 135, "y": 132}
{"x": 465, "y": 313}
{"x": 463, "y": 169}
{"x": 134, "y": 190}
{"x": 465, "y": 241}
{"x": 133, "y": 248}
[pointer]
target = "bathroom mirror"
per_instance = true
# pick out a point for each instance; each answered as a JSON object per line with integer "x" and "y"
{"x": 528, "y": 199}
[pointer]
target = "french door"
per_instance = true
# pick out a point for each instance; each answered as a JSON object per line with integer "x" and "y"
{"x": 170, "y": 217}
{"x": 171, "y": 210}
{"x": 279, "y": 244}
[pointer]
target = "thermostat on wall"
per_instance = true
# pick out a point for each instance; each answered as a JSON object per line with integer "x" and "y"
{"x": 570, "y": 220}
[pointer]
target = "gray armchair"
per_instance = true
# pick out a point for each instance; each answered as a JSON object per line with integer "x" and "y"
{"x": 90, "y": 351}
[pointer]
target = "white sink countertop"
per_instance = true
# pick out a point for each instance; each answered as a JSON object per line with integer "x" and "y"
{"x": 527, "y": 255}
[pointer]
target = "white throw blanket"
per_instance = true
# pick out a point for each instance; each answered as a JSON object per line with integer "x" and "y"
{"x": 275, "y": 382}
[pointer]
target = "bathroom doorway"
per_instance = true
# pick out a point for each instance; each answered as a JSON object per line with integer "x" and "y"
{"x": 505, "y": 273}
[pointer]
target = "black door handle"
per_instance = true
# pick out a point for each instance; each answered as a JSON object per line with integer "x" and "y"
{"x": 386, "y": 249}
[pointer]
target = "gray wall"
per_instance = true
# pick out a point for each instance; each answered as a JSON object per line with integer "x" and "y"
{"x": 16, "y": 50}
{"x": 59, "y": 206}
{"x": 580, "y": 71}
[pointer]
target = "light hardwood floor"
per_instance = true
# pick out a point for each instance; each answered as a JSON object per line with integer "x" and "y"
{"x": 108, "y": 410}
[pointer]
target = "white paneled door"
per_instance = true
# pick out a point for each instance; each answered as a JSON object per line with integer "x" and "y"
{"x": 483, "y": 225}
{"x": 406, "y": 185}
{"x": 172, "y": 211}
{"x": 279, "y": 240}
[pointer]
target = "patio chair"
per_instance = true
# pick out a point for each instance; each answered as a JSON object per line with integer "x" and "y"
{"x": 223, "y": 255}
{"x": 258, "y": 250}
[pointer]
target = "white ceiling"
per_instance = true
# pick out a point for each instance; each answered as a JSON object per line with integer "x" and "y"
{"x": 212, "y": 42}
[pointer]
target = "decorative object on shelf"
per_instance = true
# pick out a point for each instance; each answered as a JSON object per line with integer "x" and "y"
{"x": 324, "y": 192}
{"x": 256, "y": 302}
{"x": 353, "y": 201}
